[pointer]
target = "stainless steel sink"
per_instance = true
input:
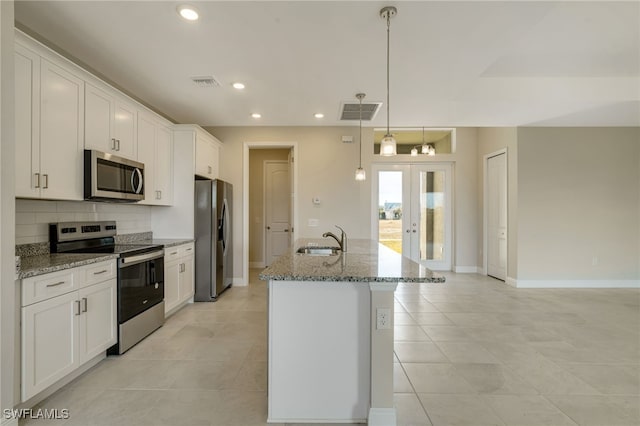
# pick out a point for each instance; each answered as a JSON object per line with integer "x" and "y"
{"x": 318, "y": 251}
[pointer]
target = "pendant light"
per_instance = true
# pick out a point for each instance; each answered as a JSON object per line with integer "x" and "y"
{"x": 360, "y": 173}
{"x": 388, "y": 143}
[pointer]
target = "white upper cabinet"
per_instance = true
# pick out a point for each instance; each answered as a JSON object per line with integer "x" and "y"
{"x": 110, "y": 123}
{"x": 27, "y": 115}
{"x": 155, "y": 148}
{"x": 49, "y": 119}
{"x": 61, "y": 128}
{"x": 207, "y": 148}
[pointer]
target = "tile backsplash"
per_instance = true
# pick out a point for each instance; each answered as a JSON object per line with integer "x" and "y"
{"x": 33, "y": 217}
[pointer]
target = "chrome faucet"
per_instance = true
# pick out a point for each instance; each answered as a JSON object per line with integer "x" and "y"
{"x": 342, "y": 242}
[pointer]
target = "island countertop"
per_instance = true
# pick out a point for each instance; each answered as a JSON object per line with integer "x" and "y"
{"x": 365, "y": 260}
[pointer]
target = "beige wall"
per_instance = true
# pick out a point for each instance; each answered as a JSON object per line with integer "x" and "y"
{"x": 490, "y": 140}
{"x": 578, "y": 192}
{"x": 326, "y": 168}
{"x": 7, "y": 208}
{"x": 257, "y": 157}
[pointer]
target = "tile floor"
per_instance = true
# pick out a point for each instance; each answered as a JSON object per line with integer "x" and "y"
{"x": 470, "y": 352}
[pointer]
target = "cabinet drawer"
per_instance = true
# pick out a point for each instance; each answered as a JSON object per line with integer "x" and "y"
{"x": 100, "y": 272}
{"x": 172, "y": 253}
{"x": 186, "y": 250}
{"x": 42, "y": 287}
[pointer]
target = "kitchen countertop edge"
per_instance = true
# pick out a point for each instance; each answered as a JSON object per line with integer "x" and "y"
{"x": 33, "y": 266}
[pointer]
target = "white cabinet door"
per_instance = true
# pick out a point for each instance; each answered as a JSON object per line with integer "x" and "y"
{"x": 146, "y": 155}
{"x": 99, "y": 108}
{"x": 27, "y": 118}
{"x": 125, "y": 130}
{"x": 110, "y": 124}
{"x": 61, "y": 133}
{"x": 49, "y": 342}
{"x": 186, "y": 278}
{"x": 155, "y": 148}
{"x": 206, "y": 157}
{"x": 171, "y": 285}
{"x": 98, "y": 319}
{"x": 164, "y": 166}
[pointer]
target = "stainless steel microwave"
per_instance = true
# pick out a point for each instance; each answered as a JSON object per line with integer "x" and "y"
{"x": 108, "y": 177}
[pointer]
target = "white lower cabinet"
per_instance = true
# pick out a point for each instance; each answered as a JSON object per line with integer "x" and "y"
{"x": 74, "y": 324}
{"x": 178, "y": 276}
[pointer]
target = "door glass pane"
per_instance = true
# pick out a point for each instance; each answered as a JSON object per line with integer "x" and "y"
{"x": 432, "y": 215}
{"x": 390, "y": 209}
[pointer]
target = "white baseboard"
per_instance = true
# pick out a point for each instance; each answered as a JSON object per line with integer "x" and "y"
{"x": 382, "y": 417}
{"x": 465, "y": 269}
{"x": 576, "y": 283}
{"x": 239, "y": 282}
{"x": 482, "y": 271}
{"x": 256, "y": 265}
{"x": 511, "y": 281}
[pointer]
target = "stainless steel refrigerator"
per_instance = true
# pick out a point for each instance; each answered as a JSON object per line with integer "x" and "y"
{"x": 214, "y": 257}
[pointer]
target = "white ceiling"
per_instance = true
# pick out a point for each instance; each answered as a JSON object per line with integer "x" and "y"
{"x": 452, "y": 63}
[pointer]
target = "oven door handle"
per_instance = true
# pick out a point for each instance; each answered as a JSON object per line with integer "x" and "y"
{"x": 126, "y": 261}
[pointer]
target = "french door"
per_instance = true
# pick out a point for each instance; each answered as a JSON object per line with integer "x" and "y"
{"x": 413, "y": 213}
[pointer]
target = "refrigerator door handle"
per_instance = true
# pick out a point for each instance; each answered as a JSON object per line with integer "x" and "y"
{"x": 225, "y": 220}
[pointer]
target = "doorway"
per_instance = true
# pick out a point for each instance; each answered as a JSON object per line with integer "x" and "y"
{"x": 495, "y": 212}
{"x": 254, "y": 228}
{"x": 413, "y": 212}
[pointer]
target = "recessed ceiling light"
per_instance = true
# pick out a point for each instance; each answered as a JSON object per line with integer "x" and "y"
{"x": 188, "y": 12}
{"x": 238, "y": 86}
{"x": 318, "y": 115}
{"x": 256, "y": 115}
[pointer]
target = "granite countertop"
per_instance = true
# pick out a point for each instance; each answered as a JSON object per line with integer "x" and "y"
{"x": 30, "y": 266}
{"x": 365, "y": 260}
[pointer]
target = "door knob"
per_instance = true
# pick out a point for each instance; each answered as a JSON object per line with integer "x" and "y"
{"x": 268, "y": 228}
{"x": 407, "y": 231}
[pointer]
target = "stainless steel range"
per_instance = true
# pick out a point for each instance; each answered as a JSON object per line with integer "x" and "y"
{"x": 140, "y": 275}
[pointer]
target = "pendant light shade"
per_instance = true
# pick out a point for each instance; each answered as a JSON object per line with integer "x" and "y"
{"x": 360, "y": 173}
{"x": 388, "y": 143}
{"x": 388, "y": 146}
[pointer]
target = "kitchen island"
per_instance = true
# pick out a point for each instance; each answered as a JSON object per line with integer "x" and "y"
{"x": 331, "y": 332}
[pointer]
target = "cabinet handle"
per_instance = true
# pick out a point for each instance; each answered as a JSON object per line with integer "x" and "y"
{"x": 158, "y": 195}
{"x": 46, "y": 181}
{"x": 84, "y": 304}
{"x": 37, "y": 175}
{"x": 174, "y": 253}
{"x": 118, "y": 144}
{"x": 100, "y": 272}
{"x": 113, "y": 144}
{"x": 56, "y": 284}
{"x": 77, "y": 307}
{"x": 209, "y": 169}
{"x": 189, "y": 249}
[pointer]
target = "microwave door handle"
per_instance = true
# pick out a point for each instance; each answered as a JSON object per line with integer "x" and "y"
{"x": 138, "y": 188}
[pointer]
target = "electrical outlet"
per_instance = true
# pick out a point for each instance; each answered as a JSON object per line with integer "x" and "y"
{"x": 383, "y": 318}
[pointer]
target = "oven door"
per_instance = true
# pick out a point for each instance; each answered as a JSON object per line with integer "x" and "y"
{"x": 109, "y": 177}
{"x": 140, "y": 284}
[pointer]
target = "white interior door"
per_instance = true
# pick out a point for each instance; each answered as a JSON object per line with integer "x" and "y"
{"x": 497, "y": 216}
{"x": 413, "y": 213}
{"x": 277, "y": 198}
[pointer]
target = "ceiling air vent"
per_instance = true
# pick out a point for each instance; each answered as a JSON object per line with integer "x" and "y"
{"x": 205, "y": 81}
{"x": 351, "y": 111}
